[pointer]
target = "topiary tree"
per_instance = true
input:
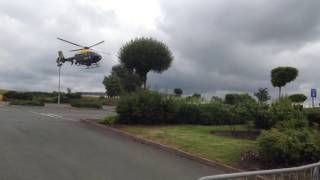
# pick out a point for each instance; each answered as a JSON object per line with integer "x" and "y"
{"x": 145, "y": 54}
{"x": 262, "y": 95}
{"x": 298, "y": 98}
{"x": 280, "y": 76}
{"x": 178, "y": 91}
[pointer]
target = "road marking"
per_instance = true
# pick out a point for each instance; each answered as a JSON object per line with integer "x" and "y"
{"x": 53, "y": 116}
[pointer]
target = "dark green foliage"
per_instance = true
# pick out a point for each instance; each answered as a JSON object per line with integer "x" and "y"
{"x": 289, "y": 146}
{"x": 313, "y": 116}
{"x": 298, "y": 98}
{"x": 188, "y": 113}
{"x": 262, "y": 117}
{"x": 129, "y": 80}
{"x": 196, "y": 95}
{"x": 113, "y": 85}
{"x": 280, "y": 76}
{"x": 73, "y": 95}
{"x": 282, "y": 110}
{"x": 26, "y": 103}
{"x": 146, "y": 107}
{"x": 262, "y": 95}
{"x": 18, "y": 95}
{"x": 82, "y": 103}
{"x": 110, "y": 120}
{"x": 216, "y": 99}
{"x": 233, "y": 99}
{"x": 178, "y": 91}
{"x": 145, "y": 54}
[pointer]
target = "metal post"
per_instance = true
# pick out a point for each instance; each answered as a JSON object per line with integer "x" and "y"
{"x": 59, "y": 89}
{"x": 312, "y": 102}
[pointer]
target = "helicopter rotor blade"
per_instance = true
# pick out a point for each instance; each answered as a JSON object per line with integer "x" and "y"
{"x": 102, "y": 52}
{"x": 70, "y": 42}
{"x": 76, "y": 50}
{"x": 96, "y": 44}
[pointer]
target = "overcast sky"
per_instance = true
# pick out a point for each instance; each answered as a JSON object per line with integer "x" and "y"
{"x": 219, "y": 45}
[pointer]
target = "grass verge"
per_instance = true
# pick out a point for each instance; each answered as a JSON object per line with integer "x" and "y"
{"x": 196, "y": 139}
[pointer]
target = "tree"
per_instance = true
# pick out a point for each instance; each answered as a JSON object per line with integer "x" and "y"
{"x": 196, "y": 95}
{"x": 130, "y": 81}
{"x": 262, "y": 95}
{"x": 280, "y": 76}
{"x": 178, "y": 91}
{"x": 113, "y": 85}
{"x": 216, "y": 99}
{"x": 145, "y": 54}
{"x": 298, "y": 98}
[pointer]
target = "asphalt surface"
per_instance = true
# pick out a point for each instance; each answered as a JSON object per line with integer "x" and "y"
{"x": 50, "y": 143}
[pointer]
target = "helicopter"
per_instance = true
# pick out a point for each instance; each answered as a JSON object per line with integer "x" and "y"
{"x": 84, "y": 56}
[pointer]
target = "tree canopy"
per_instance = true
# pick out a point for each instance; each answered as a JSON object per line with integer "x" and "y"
{"x": 113, "y": 85}
{"x": 142, "y": 55}
{"x": 262, "y": 95}
{"x": 280, "y": 76}
{"x": 298, "y": 98}
{"x": 129, "y": 81}
{"x": 178, "y": 91}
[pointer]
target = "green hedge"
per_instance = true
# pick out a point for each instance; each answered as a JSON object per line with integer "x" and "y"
{"x": 80, "y": 103}
{"x": 146, "y": 107}
{"x": 26, "y": 103}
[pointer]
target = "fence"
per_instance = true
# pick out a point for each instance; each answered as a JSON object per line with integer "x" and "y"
{"x": 307, "y": 172}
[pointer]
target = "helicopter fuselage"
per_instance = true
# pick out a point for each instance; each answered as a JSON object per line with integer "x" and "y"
{"x": 87, "y": 57}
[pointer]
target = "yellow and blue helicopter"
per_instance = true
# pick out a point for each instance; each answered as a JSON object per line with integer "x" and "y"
{"x": 85, "y": 55}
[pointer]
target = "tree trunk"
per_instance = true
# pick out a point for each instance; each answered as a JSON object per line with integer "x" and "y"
{"x": 144, "y": 79}
{"x": 279, "y": 92}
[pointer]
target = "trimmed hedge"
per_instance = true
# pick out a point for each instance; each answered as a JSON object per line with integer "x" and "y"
{"x": 26, "y": 103}
{"x": 80, "y": 103}
{"x": 147, "y": 107}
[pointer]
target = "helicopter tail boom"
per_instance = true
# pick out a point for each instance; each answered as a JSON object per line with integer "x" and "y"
{"x": 61, "y": 59}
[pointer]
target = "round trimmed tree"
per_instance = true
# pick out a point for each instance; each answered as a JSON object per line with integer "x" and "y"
{"x": 280, "y": 76}
{"x": 143, "y": 55}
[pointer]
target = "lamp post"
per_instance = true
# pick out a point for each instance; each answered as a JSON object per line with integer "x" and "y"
{"x": 59, "y": 87}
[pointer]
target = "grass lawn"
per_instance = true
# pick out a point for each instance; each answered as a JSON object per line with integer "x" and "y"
{"x": 197, "y": 139}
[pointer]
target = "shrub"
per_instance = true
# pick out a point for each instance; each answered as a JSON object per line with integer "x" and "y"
{"x": 26, "y": 103}
{"x": 146, "y": 107}
{"x": 233, "y": 99}
{"x": 243, "y": 112}
{"x": 188, "y": 113}
{"x": 17, "y": 95}
{"x": 313, "y": 116}
{"x": 282, "y": 110}
{"x": 110, "y": 120}
{"x": 262, "y": 117}
{"x": 289, "y": 146}
{"x": 80, "y": 103}
{"x": 214, "y": 114}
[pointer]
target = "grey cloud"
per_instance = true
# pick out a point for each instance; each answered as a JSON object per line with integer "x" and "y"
{"x": 233, "y": 45}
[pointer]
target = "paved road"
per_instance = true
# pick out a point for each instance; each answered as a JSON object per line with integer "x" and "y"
{"x": 35, "y": 145}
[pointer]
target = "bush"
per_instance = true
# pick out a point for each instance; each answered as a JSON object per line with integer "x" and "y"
{"x": 26, "y": 103}
{"x": 233, "y": 99}
{"x": 188, "y": 113}
{"x": 110, "y": 120}
{"x": 9, "y": 95}
{"x": 289, "y": 146}
{"x": 313, "y": 116}
{"x": 282, "y": 110}
{"x": 214, "y": 114}
{"x": 262, "y": 117}
{"x": 146, "y": 107}
{"x": 80, "y": 103}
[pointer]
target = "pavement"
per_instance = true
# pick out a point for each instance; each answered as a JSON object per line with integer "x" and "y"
{"x": 50, "y": 143}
